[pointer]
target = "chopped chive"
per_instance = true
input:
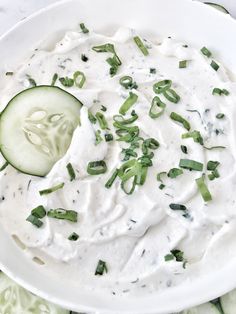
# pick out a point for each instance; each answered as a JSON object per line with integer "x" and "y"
{"x": 169, "y": 257}
{"x": 141, "y": 45}
{"x": 9, "y": 73}
{"x": 129, "y": 102}
{"x": 161, "y": 186}
{"x": 176, "y": 117}
{"x": 71, "y": 171}
{"x": 183, "y": 64}
{"x": 214, "y": 65}
{"x": 84, "y": 58}
{"x": 83, "y": 28}
{"x": 101, "y": 268}
{"x": 218, "y": 91}
{"x": 96, "y": 167}
{"x": 52, "y": 189}
{"x": 190, "y": 164}
{"x": 79, "y": 79}
{"x": 220, "y": 115}
{"x": 108, "y": 137}
{"x": 153, "y": 71}
{"x": 150, "y": 143}
{"x": 35, "y": 221}
{"x": 179, "y": 255}
{"x": 212, "y": 165}
{"x": 101, "y": 120}
{"x": 174, "y": 172}
{"x": 39, "y": 212}
{"x": 66, "y": 81}
{"x": 225, "y": 92}
{"x": 171, "y": 95}
{"x": 177, "y": 207}
{"x": 160, "y": 86}
{"x": 112, "y": 179}
{"x": 160, "y": 174}
{"x": 60, "y": 213}
{"x": 98, "y": 137}
{"x": 127, "y": 82}
{"x": 206, "y": 195}
{"x": 157, "y": 108}
{"x": 119, "y": 119}
{"x": 91, "y": 117}
{"x": 206, "y": 52}
{"x": 103, "y": 108}
{"x": 73, "y": 237}
{"x": 195, "y": 135}
{"x": 54, "y": 79}
{"x": 214, "y": 147}
{"x": 3, "y": 167}
{"x": 184, "y": 149}
{"x": 214, "y": 175}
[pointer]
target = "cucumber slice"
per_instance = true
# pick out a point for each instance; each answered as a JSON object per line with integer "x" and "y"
{"x": 36, "y": 128}
{"x": 228, "y": 302}
{"x": 218, "y": 7}
{"x": 207, "y": 308}
{"x": 14, "y": 299}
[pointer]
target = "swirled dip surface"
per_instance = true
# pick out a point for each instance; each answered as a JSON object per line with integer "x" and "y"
{"x": 133, "y": 234}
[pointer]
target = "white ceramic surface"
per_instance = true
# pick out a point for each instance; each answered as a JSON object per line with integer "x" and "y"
{"x": 185, "y": 20}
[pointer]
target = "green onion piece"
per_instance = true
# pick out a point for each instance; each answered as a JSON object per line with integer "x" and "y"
{"x": 206, "y": 52}
{"x": 60, "y": 213}
{"x": 176, "y": 117}
{"x": 214, "y": 147}
{"x": 66, "y": 81}
{"x": 4, "y": 166}
{"x": 212, "y": 165}
{"x": 98, "y": 137}
{"x": 141, "y": 176}
{"x": 157, "y": 108}
{"x": 101, "y": 268}
{"x": 179, "y": 255}
{"x": 71, "y": 171}
{"x": 160, "y": 174}
{"x": 101, "y": 120}
{"x": 225, "y": 92}
{"x": 9, "y": 73}
{"x": 108, "y": 137}
{"x": 127, "y": 188}
{"x": 174, "y": 172}
{"x": 149, "y": 143}
{"x": 128, "y": 152}
{"x": 190, "y": 164}
{"x": 195, "y": 135}
{"x": 153, "y": 71}
{"x": 79, "y": 79}
{"x": 220, "y": 115}
{"x": 214, "y": 175}
{"x": 171, "y": 95}
{"x": 184, "y": 149}
{"x": 83, "y": 28}
{"x": 214, "y": 65}
{"x": 218, "y": 91}
{"x": 54, "y": 79}
{"x": 121, "y": 120}
{"x": 73, "y": 237}
{"x": 127, "y": 134}
{"x": 161, "y": 186}
{"x": 169, "y": 257}
{"x": 160, "y": 86}
{"x": 114, "y": 62}
{"x": 104, "y": 48}
{"x": 91, "y": 117}
{"x": 84, "y": 58}
{"x": 38, "y": 212}
{"x": 140, "y": 45}
{"x": 103, "y": 108}
{"x": 206, "y": 195}
{"x": 129, "y": 102}
{"x": 112, "y": 179}
{"x": 35, "y": 221}
{"x": 177, "y": 206}
{"x": 146, "y": 160}
{"x": 127, "y": 82}
{"x": 183, "y": 64}
{"x": 52, "y": 189}
{"x": 96, "y": 167}
{"x": 31, "y": 81}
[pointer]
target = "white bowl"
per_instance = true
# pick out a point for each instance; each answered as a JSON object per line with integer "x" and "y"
{"x": 186, "y": 20}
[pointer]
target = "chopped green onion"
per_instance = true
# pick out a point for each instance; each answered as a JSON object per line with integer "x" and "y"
{"x": 52, "y": 189}
{"x": 153, "y": 71}
{"x": 212, "y": 165}
{"x": 169, "y": 257}
{"x": 171, "y": 95}
{"x": 79, "y": 79}
{"x": 225, "y": 92}
{"x": 60, "y": 213}
{"x": 84, "y": 58}
{"x": 214, "y": 65}
{"x": 73, "y": 237}
{"x": 121, "y": 120}
{"x": 177, "y": 207}
{"x": 9, "y": 73}
{"x": 66, "y": 81}
{"x": 129, "y": 102}
{"x": 176, "y": 117}
{"x": 141, "y": 175}
{"x": 71, "y": 171}
{"x": 206, "y": 195}
{"x": 35, "y": 221}
{"x": 98, "y": 137}
{"x": 174, "y": 172}
{"x": 146, "y": 160}
{"x": 103, "y": 108}
{"x": 160, "y": 86}
{"x": 157, "y": 108}
{"x": 220, "y": 115}
{"x": 83, "y": 28}
{"x": 128, "y": 152}
{"x": 91, "y": 117}
{"x": 127, "y": 82}
{"x": 183, "y": 64}
{"x": 195, "y": 135}
{"x": 161, "y": 186}
{"x": 112, "y": 179}
{"x": 127, "y": 134}
{"x": 101, "y": 120}
{"x": 214, "y": 147}
{"x": 101, "y": 268}
{"x": 38, "y": 212}
{"x": 54, "y": 79}
{"x": 31, "y": 81}
{"x": 218, "y": 91}
{"x": 206, "y": 52}
{"x": 108, "y": 137}
{"x": 96, "y": 167}
{"x": 184, "y": 149}
{"x": 104, "y": 48}
{"x": 190, "y": 164}
{"x": 141, "y": 45}
{"x": 214, "y": 175}
{"x": 160, "y": 174}
{"x": 149, "y": 143}
{"x": 4, "y": 166}
{"x": 179, "y": 255}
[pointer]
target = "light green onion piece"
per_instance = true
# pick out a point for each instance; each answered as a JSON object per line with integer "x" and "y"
{"x": 39, "y": 211}
{"x": 214, "y": 65}
{"x": 112, "y": 179}
{"x": 60, "y": 213}
{"x": 141, "y": 45}
{"x": 127, "y": 82}
{"x": 71, "y": 171}
{"x": 212, "y": 165}
{"x": 91, "y": 117}
{"x": 35, "y": 221}
{"x": 157, "y": 108}
{"x": 66, "y": 81}
{"x": 83, "y": 28}
{"x": 79, "y": 79}
{"x": 101, "y": 120}
{"x": 183, "y": 64}
{"x": 96, "y": 167}
{"x": 129, "y": 102}
{"x": 160, "y": 86}
{"x": 52, "y": 189}
{"x": 206, "y": 52}
{"x": 203, "y": 189}
{"x": 174, "y": 172}
{"x": 195, "y": 135}
{"x": 160, "y": 174}
{"x": 171, "y": 95}
{"x": 176, "y": 117}
{"x": 54, "y": 79}
{"x": 190, "y": 164}
{"x": 98, "y": 137}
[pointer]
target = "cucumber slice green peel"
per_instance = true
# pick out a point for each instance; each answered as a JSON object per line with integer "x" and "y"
{"x": 36, "y": 128}
{"x": 14, "y": 299}
{"x": 218, "y": 7}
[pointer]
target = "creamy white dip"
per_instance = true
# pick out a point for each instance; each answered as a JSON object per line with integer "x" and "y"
{"x": 131, "y": 233}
